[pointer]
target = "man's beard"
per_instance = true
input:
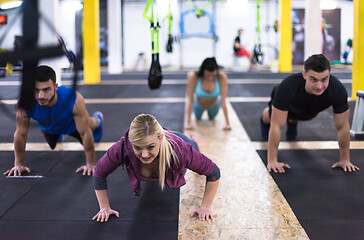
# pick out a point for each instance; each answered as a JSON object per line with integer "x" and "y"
{"x": 50, "y": 100}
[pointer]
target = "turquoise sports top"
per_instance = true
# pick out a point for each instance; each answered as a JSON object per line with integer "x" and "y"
{"x": 202, "y": 94}
{"x": 59, "y": 118}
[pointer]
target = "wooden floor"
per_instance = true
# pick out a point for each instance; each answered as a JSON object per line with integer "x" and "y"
{"x": 248, "y": 204}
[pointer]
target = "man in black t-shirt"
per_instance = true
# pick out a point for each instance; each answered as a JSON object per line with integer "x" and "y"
{"x": 302, "y": 97}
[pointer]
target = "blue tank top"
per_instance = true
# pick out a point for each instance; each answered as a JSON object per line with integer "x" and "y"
{"x": 59, "y": 118}
{"x": 202, "y": 94}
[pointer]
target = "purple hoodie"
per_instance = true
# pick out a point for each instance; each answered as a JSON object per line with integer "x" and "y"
{"x": 188, "y": 158}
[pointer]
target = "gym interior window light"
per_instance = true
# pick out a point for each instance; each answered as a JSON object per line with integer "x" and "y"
{"x": 328, "y": 4}
{"x": 11, "y": 4}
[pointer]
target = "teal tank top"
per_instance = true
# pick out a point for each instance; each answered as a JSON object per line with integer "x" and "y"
{"x": 202, "y": 94}
{"x": 59, "y": 118}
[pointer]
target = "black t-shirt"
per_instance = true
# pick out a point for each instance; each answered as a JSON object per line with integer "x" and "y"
{"x": 237, "y": 39}
{"x": 290, "y": 95}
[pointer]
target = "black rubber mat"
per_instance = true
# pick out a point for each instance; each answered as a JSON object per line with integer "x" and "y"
{"x": 61, "y": 204}
{"x": 327, "y": 202}
{"x": 62, "y": 208}
{"x": 65, "y": 199}
{"x": 173, "y": 90}
{"x": 46, "y": 207}
{"x": 132, "y": 91}
{"x": 183, "y": 75}
{"x": 56, "y": 164}
{"x": 166, "y": 90}
{"x": 63, "y": 196}
{"x": 250, "y": 90}
{"x": 83, "y": 230}
{"x": 40, "y": 162}
{"x": 12, "y": 190}
{"x": 321, "y": 128}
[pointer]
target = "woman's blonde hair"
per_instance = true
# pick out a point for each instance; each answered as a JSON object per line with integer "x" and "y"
{"x": 145, "y": 125}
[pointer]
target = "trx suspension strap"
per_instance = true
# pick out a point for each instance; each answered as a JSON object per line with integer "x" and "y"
{"x": 200, "y": 12}
{"x": 30, "y": 53}
{"x": 258, "y": 54}
{"x": 169, "y": 47}
{"x": 27, "y": 51}
{"x": 155, "y": 73}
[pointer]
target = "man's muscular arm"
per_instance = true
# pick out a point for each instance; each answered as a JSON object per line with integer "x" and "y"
{"x": 277, "y": 122}
{"x": 342, "y": 126}
{"x": 81, "y": 118}
{"x": 20, "y": 139}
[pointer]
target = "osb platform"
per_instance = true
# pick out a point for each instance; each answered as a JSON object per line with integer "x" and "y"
{"x": 248, "y": 204}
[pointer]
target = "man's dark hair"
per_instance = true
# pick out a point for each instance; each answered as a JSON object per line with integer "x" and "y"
{"x": 208, "y": 64}
{"x": 317, "y": 63}
{"x": 44, "y": 73}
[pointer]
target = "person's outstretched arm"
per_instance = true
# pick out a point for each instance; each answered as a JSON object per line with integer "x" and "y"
{"x": 81, "y": 118}
{"x": 106, "y": 165}
{"x": 105, "y": 209}
{"x": 277, "y": 122}
{"x": 20, "y": 139}
{"x": 204, "y": 212}
{"x": 191, "y": 84}
{"x": 342, "y": 126}
{"x": 223, "y": 81}
{"x": 202, "y": 165}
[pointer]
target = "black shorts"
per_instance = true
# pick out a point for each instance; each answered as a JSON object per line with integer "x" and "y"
{"x": 52, "y": 139}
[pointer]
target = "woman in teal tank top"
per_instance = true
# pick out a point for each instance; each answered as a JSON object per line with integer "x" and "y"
{"x": 207, "y": 89}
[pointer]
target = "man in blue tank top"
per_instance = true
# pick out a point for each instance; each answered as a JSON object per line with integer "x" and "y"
{"x": 58, "y": 111}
